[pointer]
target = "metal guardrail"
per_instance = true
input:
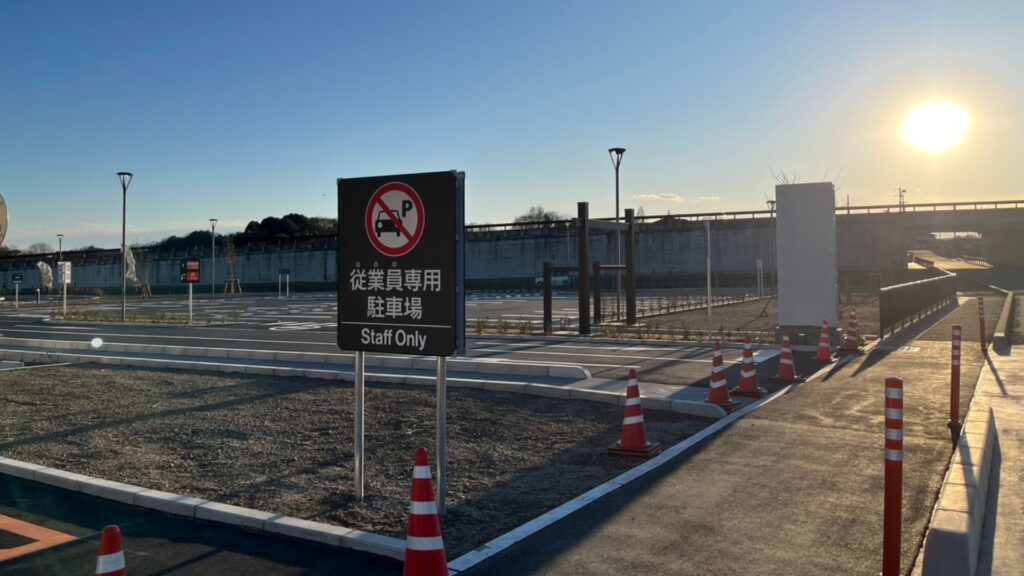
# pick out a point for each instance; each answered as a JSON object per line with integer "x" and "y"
{"x": 756, "y": 214}
{"x": 907, "y": 302}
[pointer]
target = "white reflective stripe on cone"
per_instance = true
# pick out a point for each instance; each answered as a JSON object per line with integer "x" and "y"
{"x": 421, "y": 472}
{"x": 632, "y": 401}
{"x": 786, "y": 361}
{"x": 956, "y": 362}
{"x": 632, "y": 382}
{"x": 956, "y": 351}
{"x": 632, "y": 420}
{"x": 893, "y": 414}
{"x": 894, "y": 393}
{"x": 110, "y": 562}
{"x": 894, "y": 434}
{"x": 718, "y": 384}
{"x": 896, "y": 455}
{"x": 424, "y": 544}
{"x": 747, "y": 373}
{"x": 423, "y": 508}
{"x": 717, "y": 369}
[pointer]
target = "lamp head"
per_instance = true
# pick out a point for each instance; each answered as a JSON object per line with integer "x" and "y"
{"x": 126, "y": 179}
{"x": 616, "y": 155}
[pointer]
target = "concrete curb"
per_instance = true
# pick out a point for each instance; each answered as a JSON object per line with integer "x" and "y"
{"x": 691, "y": 408}
{"x": 389, "y": 361}
{"x": 954, "y": 534}
{"x": 179, "y": 505}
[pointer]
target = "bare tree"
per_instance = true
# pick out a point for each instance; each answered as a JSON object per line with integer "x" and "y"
{"x": 39, "y": 248}
{"x": 539, "y": 214}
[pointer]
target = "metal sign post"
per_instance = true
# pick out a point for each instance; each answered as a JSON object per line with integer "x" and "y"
{"x": 360, "y": 393}
{"x": 287, "y": 275}
{"x": 17, "y": 278}
{"x": 442, "y": 434}
{"x": 190, "y": 274}
{"x": 760, "y": 278}
{"x": 707, "y": 262}
{"x": 64, "y": 278}
{"x": 401, "y": 289}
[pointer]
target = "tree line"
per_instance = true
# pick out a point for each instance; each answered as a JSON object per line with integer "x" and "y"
{"x": 270, "y": 229}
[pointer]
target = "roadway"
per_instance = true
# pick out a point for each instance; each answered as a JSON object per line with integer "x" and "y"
{"x": 307, "y": 324}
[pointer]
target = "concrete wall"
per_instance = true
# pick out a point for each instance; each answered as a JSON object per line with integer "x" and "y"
{"x": 670, "y": 250}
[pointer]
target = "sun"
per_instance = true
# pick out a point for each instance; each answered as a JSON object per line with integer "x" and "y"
{"x": 936, "y": 126}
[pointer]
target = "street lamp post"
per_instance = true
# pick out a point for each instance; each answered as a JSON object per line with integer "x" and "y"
{"x": 213, "y": 258}
{"x": 126, "y": 179}
{"x": 616, "y": 155}
{"x": 60, "y": 247}
{"x": 772, "y": 250}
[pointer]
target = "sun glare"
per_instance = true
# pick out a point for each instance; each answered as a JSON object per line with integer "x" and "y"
{"x": 935, "y": 126}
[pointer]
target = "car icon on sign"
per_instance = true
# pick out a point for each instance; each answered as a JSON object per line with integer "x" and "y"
{"x": 385, "y": 223}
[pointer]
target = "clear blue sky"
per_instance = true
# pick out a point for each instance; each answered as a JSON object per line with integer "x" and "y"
{"x": 240, "y": 110}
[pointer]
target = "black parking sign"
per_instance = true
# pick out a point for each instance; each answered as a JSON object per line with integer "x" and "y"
{"x": 400, "y": 263}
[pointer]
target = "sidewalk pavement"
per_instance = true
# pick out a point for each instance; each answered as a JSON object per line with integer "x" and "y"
{"x": 793, "y": 488}
{"x": 1002, "y": 389}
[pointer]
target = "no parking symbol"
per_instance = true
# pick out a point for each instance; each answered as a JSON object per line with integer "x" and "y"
{"x": 395, "y": 219}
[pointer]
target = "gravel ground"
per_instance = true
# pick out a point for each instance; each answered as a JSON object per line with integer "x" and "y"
{"x": 285, "y": 445}
{"x": 763, "y": 316}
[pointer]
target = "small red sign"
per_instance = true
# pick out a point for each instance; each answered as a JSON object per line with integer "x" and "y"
{"x": 395, "y": 219}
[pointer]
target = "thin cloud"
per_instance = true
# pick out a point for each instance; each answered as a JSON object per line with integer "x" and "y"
{"x": 708, "y": 199}
{"x": 660, "y": 197}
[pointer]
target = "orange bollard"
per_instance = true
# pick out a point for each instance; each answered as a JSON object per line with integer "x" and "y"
{"x": 892, "y": 523}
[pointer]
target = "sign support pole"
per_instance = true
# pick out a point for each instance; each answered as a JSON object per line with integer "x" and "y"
{"x": 190, "y": 303}
{"x": 288, "y": 285}
{"x": 278, "y": 285}
{"x": 442, "y": 435}
{"x": 360, "y": 365}
{"x": 17, "y": 303}
{"x": 64, "y": 287}
{"x": 707, "y": 262}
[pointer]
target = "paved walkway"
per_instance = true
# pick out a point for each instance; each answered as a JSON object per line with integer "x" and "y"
{"x": 794, "y": 488}
{"x": 1002, "y": 388}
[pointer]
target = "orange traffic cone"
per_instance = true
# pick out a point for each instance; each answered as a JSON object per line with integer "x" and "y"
{"x": 424, "y": 548}
{"x": 748, "y": 375}
{"x": 110, "y": 561}
{"x": 787, "y": 373}
{"x": 824, "y": 345}
{"x": 851, "y": 344}
{"x": 718, "y": 391}
{"x": 634, "y": 435}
